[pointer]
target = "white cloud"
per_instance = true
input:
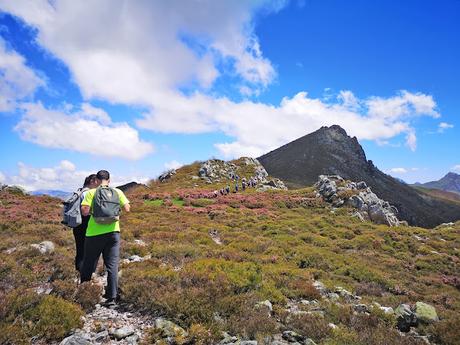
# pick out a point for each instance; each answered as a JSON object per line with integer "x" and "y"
{"x": 456, "y": 168}
{"x": 67, "y": 165}
{"x": 17, "y": 81}
{"x": 64, "y": 176}
{"x": 173, "y": 165}
{"x": 398, "y": 170}
{"x": 404, "y": 105}
{"x": 402, "y": 170}
{"x": 258, "y": 127}
{"x": 348, "y": 99}
{"x": 58, "y": 177}
{"x": 81, "y": 131}
{"x": 143, "y": 53}
{"x": 443, "y": 126}
{"x": 136, "y": 51}
{"x": 2, "y": 177}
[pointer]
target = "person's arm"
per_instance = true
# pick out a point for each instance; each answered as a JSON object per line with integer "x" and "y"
{"x": 86, "y": 204}
{"x": 85, "y": 210}
{"x": 124, "y": 202}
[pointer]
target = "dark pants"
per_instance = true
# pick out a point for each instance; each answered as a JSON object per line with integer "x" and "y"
{"x": 79, "y": 233}
{"x": 109, "y": 246}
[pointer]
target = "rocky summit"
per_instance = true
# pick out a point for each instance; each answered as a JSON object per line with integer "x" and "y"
{"x": 330, "y": 151}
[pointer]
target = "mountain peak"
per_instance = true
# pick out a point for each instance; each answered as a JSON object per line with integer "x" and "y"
{"x": 449, "y": 183}
{"x": 451, "y": 174}
{"x": 334, "y": 129}
{"x": 330, "y": 151}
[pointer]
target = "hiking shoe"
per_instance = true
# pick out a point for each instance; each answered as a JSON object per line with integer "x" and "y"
{"x": 111, "y": 303}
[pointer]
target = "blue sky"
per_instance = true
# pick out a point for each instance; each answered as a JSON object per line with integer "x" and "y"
{"x": 137, "y": 88}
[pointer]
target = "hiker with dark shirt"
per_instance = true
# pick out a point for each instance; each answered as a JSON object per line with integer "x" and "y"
{"x": 79, "y": 232}
{"x": 227, "y": 189}
{"x": 103, "y": 233}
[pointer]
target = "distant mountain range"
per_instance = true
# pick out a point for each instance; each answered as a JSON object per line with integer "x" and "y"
{"x": 330, "y": 151}
{"x": 64, "y": 195}
{"x": 449, "y": 183}
{"x": 54, "y": 193}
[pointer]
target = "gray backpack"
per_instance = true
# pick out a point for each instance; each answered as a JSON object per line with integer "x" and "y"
{"x": 106, "y": 205}
{"x": 71, "y": 211}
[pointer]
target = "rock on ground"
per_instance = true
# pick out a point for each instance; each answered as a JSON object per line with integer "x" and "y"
{"x": 425, "y": 312}
{"x": 45, "y": 247}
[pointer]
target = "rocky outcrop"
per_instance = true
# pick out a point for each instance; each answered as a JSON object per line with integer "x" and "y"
{"x": 12, "y": 189}
{"x": 335, "y": 190}
{"x": 408, "y": 316}
{"x": 167, "y": 175}
{"x": 215, "y": 170}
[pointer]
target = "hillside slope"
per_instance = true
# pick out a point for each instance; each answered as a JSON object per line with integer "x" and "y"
{"x": 439, "y": 194}
{"x": 330, "y": 150}
{"x": 277, "y": 266}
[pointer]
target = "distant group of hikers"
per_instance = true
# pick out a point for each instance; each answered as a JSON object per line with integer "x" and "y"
{"x": 93, "y": 212}
{"x": 252, "y": 182}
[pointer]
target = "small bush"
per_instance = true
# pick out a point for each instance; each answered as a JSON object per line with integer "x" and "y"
{"x": 65, "y": 289}
{"x": 199, "y": 334}
{"x": 54, "y": 318}
{"x": 311, "y": 326}
{"x": 88, "y": 295}
{"x": 446, "y": 332}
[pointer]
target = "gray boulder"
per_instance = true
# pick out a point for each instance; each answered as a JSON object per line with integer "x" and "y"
{"x": 405, "y": 318}
{"x": 121, "y": 333}
{"x": 76, "y": 339}
{"x": 45, "y": 247}
{"x": 425, "y": 313}
{"x": 169, "y": 329}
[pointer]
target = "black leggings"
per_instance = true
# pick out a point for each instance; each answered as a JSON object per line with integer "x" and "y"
{"x": 79, "y": 233}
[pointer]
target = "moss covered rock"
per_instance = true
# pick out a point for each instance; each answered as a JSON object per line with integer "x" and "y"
{"x": 425, "y": 313}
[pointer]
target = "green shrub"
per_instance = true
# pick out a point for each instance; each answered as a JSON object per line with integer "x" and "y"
{"x": 54, "y": 318}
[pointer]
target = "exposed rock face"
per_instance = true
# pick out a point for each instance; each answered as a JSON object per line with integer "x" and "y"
{"x": 335, "y": 190}
{"x": 167, "y": 175}
{"x": 215, "y": 170}
{"x": 330, "y": 151}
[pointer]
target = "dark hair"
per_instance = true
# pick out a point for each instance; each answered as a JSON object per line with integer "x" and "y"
{"x": 89, "y": 179}
{"x": 103, "y": 175}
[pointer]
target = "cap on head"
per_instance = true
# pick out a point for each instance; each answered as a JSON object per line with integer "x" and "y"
{"x": 103, "y": 175}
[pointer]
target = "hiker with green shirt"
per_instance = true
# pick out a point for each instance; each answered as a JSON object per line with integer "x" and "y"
{"x": 104, "y": 204}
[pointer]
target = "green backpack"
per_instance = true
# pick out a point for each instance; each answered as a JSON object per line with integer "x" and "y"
{"x": 106, "y": 205}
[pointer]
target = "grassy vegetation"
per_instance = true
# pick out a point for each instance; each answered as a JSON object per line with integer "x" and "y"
{"x": 274, "y": 244}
